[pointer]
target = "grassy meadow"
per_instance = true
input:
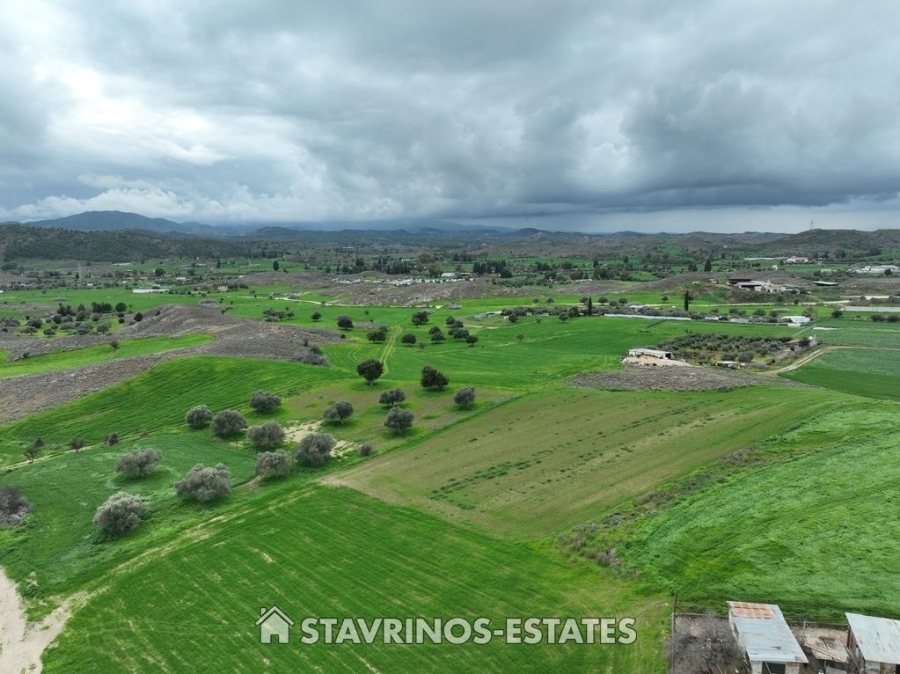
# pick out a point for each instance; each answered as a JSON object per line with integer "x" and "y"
{"x": 868, "y": 372}
{"x": 596, "y": 449}
{"x": 816, "y": 532}
{"x": 461, "y": 514}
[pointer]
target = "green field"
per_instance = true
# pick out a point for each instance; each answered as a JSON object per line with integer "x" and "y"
{"x": 463, "y": 514}
{"x": 816, "y": 533}
{"x": 596, "y": 449}
{"x": 159, "y": 399}
{"x": 331, "y": 552}
{"x": 867, "y": 372}
{"x": 126, "y": 348}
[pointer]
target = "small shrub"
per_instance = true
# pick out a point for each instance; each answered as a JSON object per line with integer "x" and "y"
{"x": 120, "y": 513}
{"x": 139, "y": 463}
{"x": 228, "y": 423}
{"x": 76, "y": 444}
{"x": 198, "y": 417}
{"x": 13, "y": 506}
{"x": 264, "y": 401}
{"x": 340, "y": 411}
{"x": 112, "y": 439}
{"x": 205, "y": 484}
{"x": 314, "y": 449}
{"x": 266, "y": 436}
{"x": 465, "y": 397}
{"x": 365, "y": 449}
{"x": 273, "y": 464}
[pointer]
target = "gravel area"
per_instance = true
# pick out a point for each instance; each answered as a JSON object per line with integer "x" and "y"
{"x": 642, "y": 378}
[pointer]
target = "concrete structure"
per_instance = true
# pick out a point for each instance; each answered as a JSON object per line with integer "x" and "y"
{"x": 874, "y": 644}
{"x": 651, "y": 353}
{"x": 766, "y": 638}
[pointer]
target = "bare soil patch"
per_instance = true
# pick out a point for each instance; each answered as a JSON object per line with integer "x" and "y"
{"x": 233, "y": 336}
{"x": 640, "y": 378}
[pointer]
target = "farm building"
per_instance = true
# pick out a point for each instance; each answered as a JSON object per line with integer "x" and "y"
{"x": 650, "y": 353}
{"x": 766, "y": 638}
{"x": 874, "y": 644}
{"x": 797, "y": 320}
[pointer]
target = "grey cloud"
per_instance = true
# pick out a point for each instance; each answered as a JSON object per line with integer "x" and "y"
{"x": 468, "y": 109}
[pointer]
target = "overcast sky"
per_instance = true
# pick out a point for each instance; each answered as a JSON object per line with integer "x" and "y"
{"x": 562, "y": 114}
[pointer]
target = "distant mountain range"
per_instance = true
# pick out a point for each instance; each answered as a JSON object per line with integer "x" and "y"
{"x": 114, "y": 235}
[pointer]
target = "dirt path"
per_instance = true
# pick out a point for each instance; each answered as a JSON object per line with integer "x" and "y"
{"x": 21, "y": 643}
{"x": 389, "y": 347}
{"x": 804, "y": 360}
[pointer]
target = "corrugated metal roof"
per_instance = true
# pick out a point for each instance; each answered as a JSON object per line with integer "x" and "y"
{"x": 763, "y": 633}
{"x": 878, "y": 638}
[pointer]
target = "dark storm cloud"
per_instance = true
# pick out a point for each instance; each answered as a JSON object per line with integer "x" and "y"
{"x": 284, "y": 110}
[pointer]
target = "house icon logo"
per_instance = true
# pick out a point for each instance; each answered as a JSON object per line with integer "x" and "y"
{"x": 273, "y": 622}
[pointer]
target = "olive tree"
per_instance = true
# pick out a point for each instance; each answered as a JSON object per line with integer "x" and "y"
{"x": 432, "y": 378}
{"x": 264, "y": 401}
{"x": 205, "y": 484}
{"x": 266, "y": 436}
{"x": 120, "y": 513}
{"x": 370, "y": 370}
{"x": 465, "y": 397}
{"x": 272, "y": 464}
{"x": 314, "y": 449}
{"x": 228, "y": 423}
{"x": 198, "y": 417}
{"x": 139, "y": 463}
{"x": 399, "y": 419}
{"x": 340, "y": 411}
{"x": 393, "y": 397}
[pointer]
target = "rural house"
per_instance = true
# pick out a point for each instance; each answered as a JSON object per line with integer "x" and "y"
{"x": 874, "y": 644}
{"x": 766, "y": 638}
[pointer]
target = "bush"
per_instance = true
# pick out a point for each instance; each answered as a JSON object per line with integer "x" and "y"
{"x": 394, "y": 396}
{"x": 198, "y": 417}
{"x": 431, "y": 378}
{"x": 205, "y": 484}
{"x": 379, "y": 334}
{"x": 344, "y": 322}
{"x": 399, "y": 419}
{"x": 365, "y": 449}
{"x": 340, "y": 411}
{"x": 228, "y": 423}
{"x": 316, "y": 315}
{"x": 370, "y": 370}
{"x": 465, "y": 397}
{"x": 112, "y": 439}
{"x": 408, "y": 338}
{"x": 264, "y": 401}
{"x": 120, "y": 513}
{"x": 266, "y": 436}
{"x": 139, "y": 463}
{"x": 13, "y": 505}
{"x": 273, "y": 464}
{"x": 314, "y": 449}
{"x": 76, "y": 444}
